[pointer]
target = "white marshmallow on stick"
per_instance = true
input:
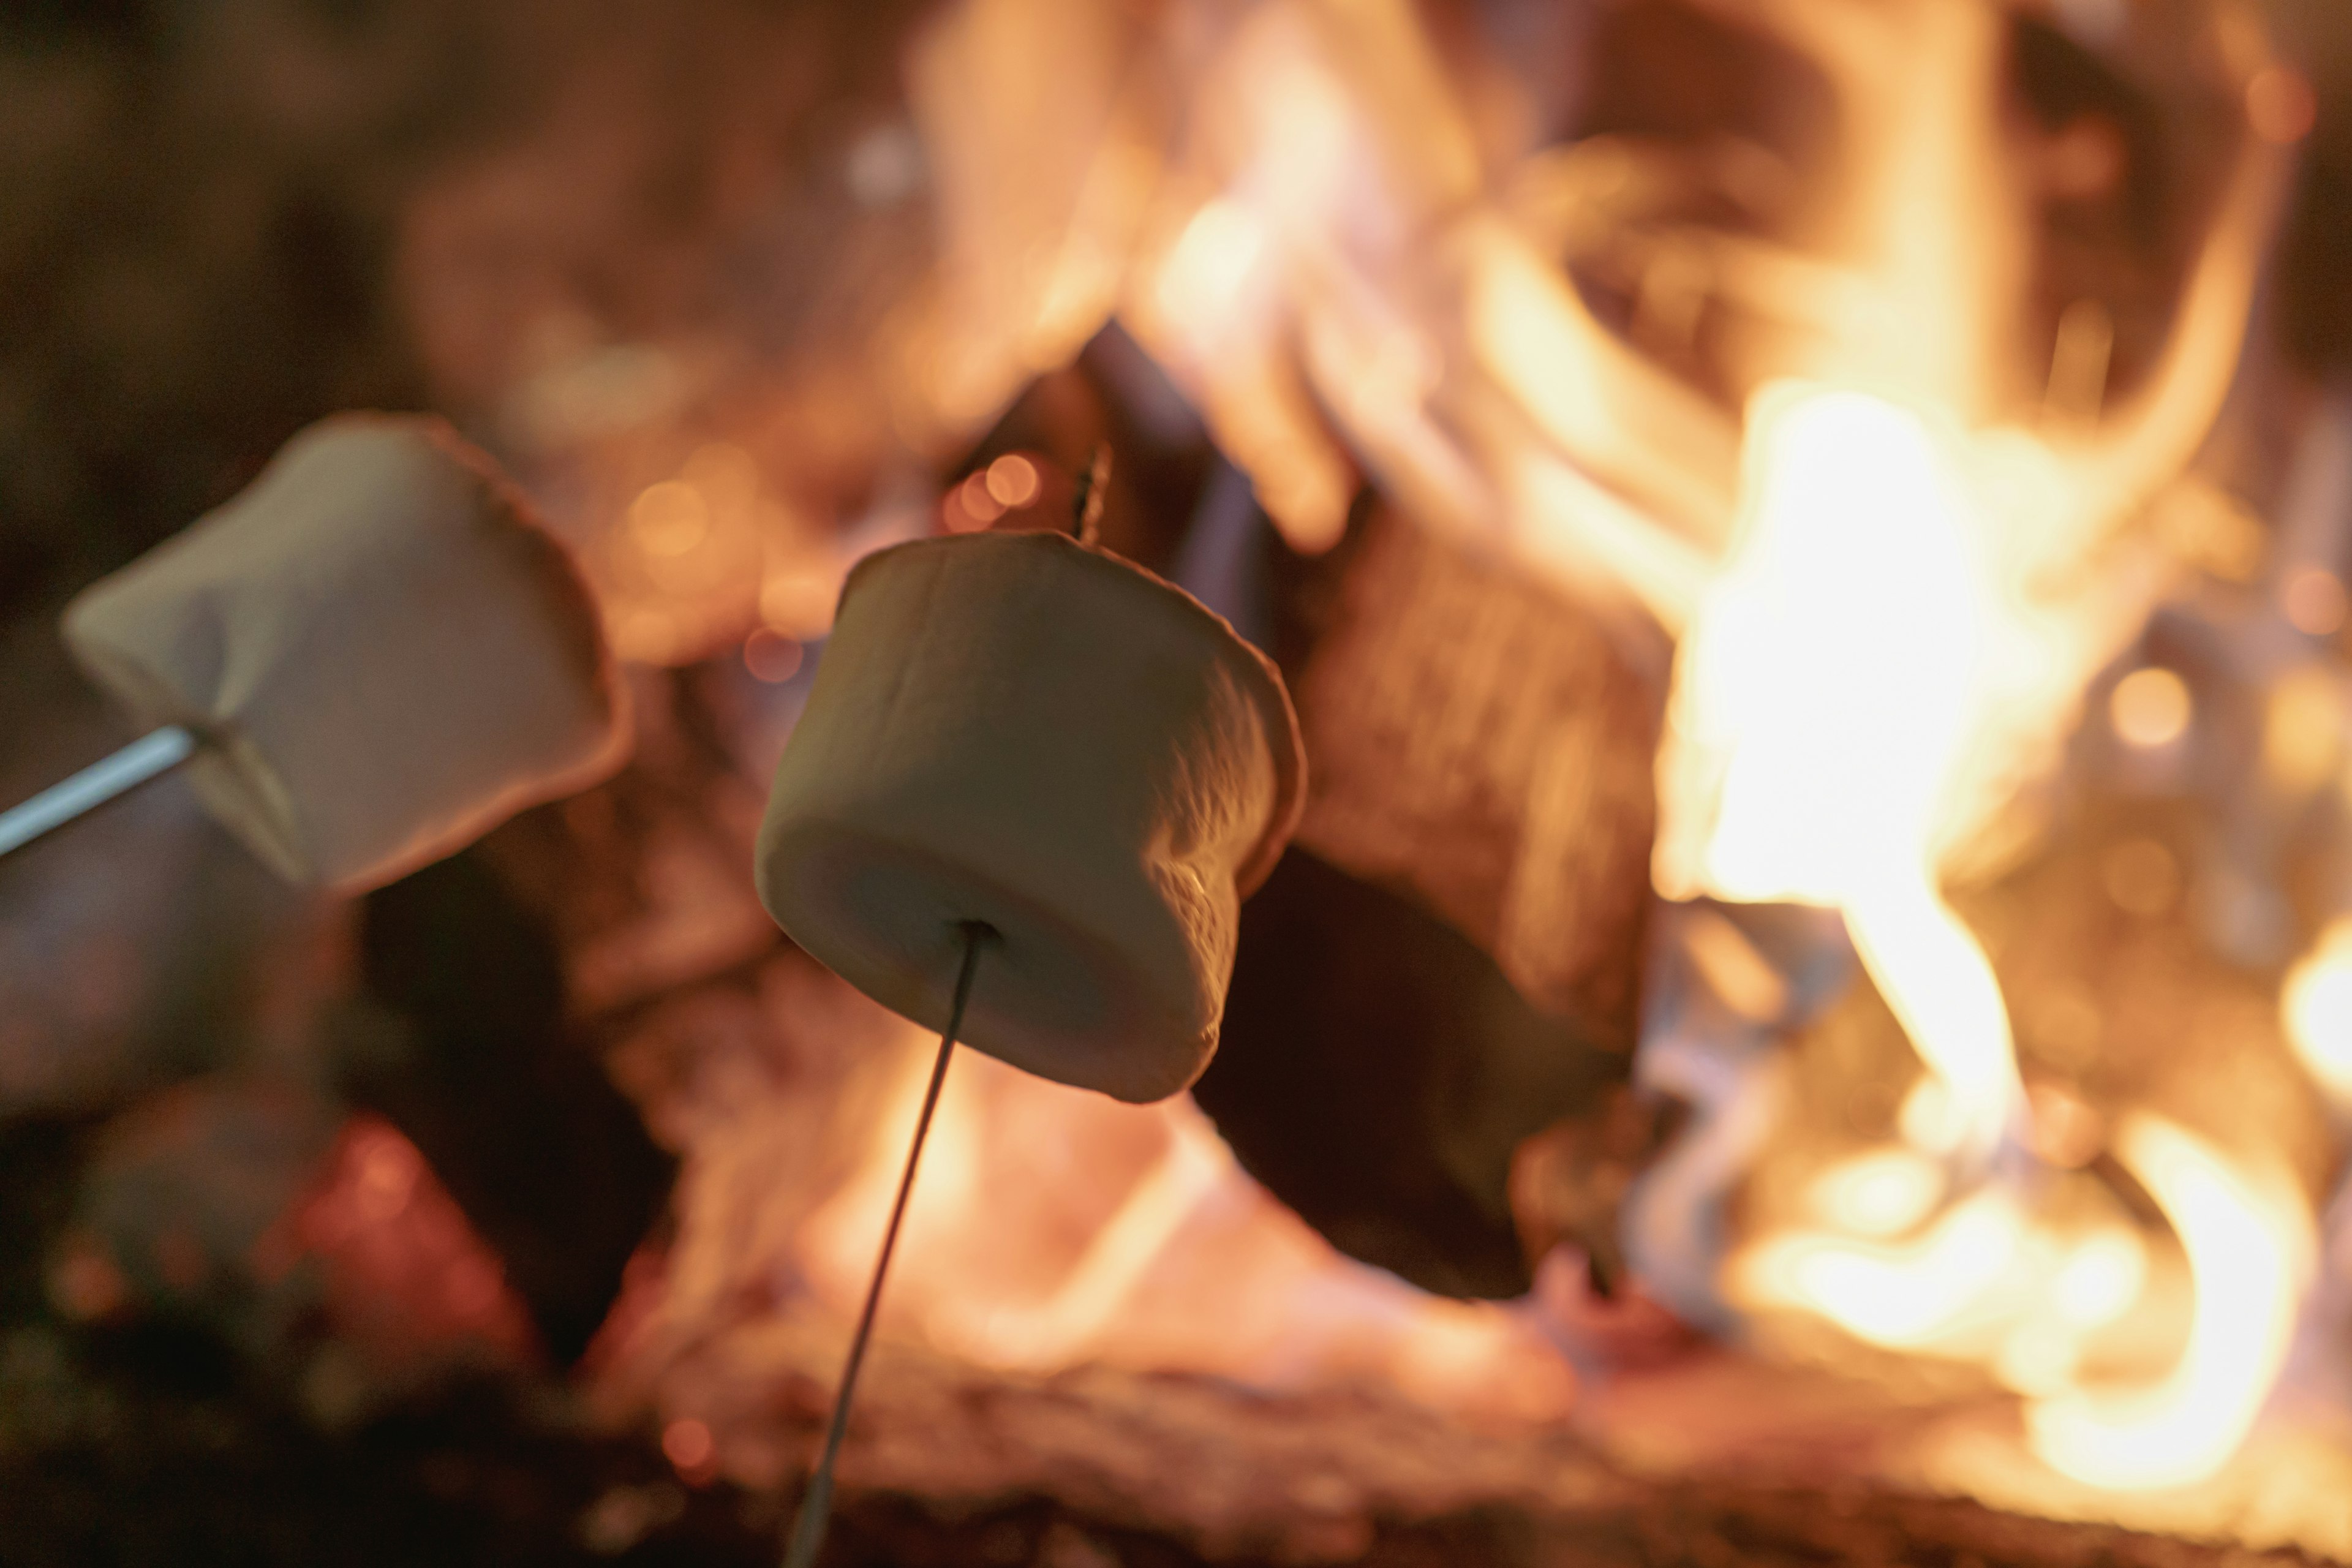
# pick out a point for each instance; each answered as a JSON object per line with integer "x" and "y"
{"x": 1024, "y": 731}
{"x": 379, "y": 654}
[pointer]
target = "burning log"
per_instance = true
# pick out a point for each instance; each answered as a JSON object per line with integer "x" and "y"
{"x": 1099, "y": 1465}
{"x": 1484, "y": 749}
{"x": 111, "y": 1463}
{"x": 1447, "y": 965}
{"x": 1378, "y": 1072}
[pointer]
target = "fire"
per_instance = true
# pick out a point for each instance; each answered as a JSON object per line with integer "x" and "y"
{"x": 1053, "y": 1227}
{"x": 2317, "y": 1006}
{"x": 1802, "y": 768}
{"x": 2248, "y": 1235}
{"x": 1845, "y": 674}
{"x": 1897, "y": 635}
{"x": 1893, "y": 567}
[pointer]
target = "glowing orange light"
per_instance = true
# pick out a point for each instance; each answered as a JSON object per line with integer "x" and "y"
{"x": 968, "y": 507}
{"x": 1012, "y": 482}
{"x": 1883, "y": 1192}
{"x": 2248, "y": 1235}
{"x": 772, "y": 656}
{"x": 688, "y": 1444}
{"x": 388, "y": 1173}
{"x": 1903, "y": 1295}
{"x": 1008, "y": 1264}
{"x": 2149, "y": 707}
{"x": 2280, "y": 105}
{"x": 86, "y": 1282}
{"x": 725, "y": 476}
{"x": 471, "y": 1286}
{"x": 669, "y": 519}
{"x": 1212, "y": 261}
{"x": 2313, "y": 600}
{"x": 2102, "y": 1281}
{"x": 798, "y": 603}
{"x": 2303, "y": 729}
{"x": 2141, "y": 876}
{"x": 642, "y": 633}
{"x": 2316, "y": 1004}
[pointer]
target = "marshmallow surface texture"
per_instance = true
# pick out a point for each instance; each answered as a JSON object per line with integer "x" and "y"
{"x": 1020, "y": 730}
{"x": 385, "y": 654}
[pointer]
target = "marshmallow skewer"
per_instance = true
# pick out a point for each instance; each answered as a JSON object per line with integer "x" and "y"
{"x": 817, "y": 1503}
{"x": 1021, "y": 739}
{"x": 1024, "y": 729}
{"x": 146, "y": 758}
{"x": 367, "y": 659}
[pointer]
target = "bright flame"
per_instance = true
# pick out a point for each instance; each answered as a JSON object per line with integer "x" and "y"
{"x": 1823, "y": 696}
{"x": 1872, "y": 638}
{"x": 2316, "y": 1002}
{"x": 1883, "y": 1192}
{"x": 1900, "y": 1296}
{"x": 1202, "y": 281}
{"x": 2149, "y": 707}
{"x": 2249, "y": 1239}
{"x": 1052, "y": 1227}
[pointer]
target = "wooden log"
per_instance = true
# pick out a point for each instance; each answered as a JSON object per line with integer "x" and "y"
{"x": 102, "y": 1461}
{"x": 1484, "y": 748}
{"x": 1445, "y": 965}
{"x": 948, "y": 1464}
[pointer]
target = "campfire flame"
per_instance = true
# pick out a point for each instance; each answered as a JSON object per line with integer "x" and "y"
{"x": 1889, "y": 647}
{"x": 2318, "y": 1004}
{"x": 1892, "y": 572}
{"x": 1842, "y": 665}
{"x": 1053, "y": 1227}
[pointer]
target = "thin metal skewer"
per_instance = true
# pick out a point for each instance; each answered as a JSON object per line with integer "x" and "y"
{"x": 816, "y": 1504}
{"x": 1094, "y": 489}
{"x": 150, "y": 756}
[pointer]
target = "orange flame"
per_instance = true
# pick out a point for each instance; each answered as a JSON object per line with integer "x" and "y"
{"x": 1846, "y": 678}
{"x": 1052, "y": 1227}
{"x": 2316, "y": 1002}
{"x": 2249, "y": 1238}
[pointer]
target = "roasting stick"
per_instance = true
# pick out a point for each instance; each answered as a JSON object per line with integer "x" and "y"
{"x": 150, "y": 756}
{"x": 816, "y": 1504}
{"x": 1094, "y": 489}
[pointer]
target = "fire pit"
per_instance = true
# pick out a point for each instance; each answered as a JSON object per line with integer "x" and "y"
{"x": 1808, "y": 1014}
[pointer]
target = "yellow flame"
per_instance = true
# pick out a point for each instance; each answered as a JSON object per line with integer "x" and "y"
{"x": 1051, "y": 1227}
{"x": 2249, "y": 1239}
{"x": 1869, "y": 638}
{"x": 1202, "y": 282}
{"x": 1884, "y": 1192}
{"x": 2303, "y": 729}
{"x": 1901, "y": 1296}
{"x": 2317, "y": 1004}
{"x": 1824, "y": 694}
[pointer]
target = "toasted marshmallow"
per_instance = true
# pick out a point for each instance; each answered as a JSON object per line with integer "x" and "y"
{"x": 1025, "y": 734}
{"x": 385, "y": 654}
